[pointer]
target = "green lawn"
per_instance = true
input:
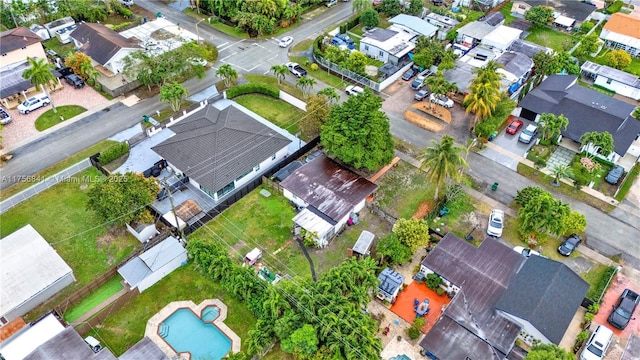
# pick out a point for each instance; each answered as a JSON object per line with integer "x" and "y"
{"x": 291, "y": 89}
{"x": 549, "y": 244}
{"x": 506, "y": 11}
{"x": 276, "y": 111}
{"x": 321, "y": 74}
{"x": 94, "y": 299}
{"x": 402, "y": 190}
{"x": 634, "y": 67}
{"x": 49, "y": 118}
{"x": 303, "y": 45}
{"x": 548, "y": 37}
{"x": 53, "y": 169}
{"x": 124, "y": 327}
{"x": 628, "y": 181}
{"x": 61, "y": 216}
{"x": 55, "y": 45}
{"x": 594, "y": 276}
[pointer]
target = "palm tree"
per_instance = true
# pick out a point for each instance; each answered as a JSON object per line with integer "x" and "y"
{"x": 442, "y": 161}
{"x": 330, "y": 93}
{"x": 559, "y": 172}
{"x": 359, "y": 6}
{"x": 40, "y": 75}
{"x": 306, "y": 83}
{"x": 484, "y": 92}
{"x": 228, "y": 74}
{"x": 91, "y": 75}
{"x": 552, "y": 125}
{"x": 439, "y": 85}
{"x": 280, "y": 71}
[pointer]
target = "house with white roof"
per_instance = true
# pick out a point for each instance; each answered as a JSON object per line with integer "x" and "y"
{"x": 387, "y": 45}
{"x": 621, "y": 82}
{"x": 414, "y": 25}
{"x": 32, "y": 272}
{"x": 501, "y": 37}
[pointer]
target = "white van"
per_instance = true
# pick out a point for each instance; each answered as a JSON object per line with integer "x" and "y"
{"x": 330, "y": 3}
{"x": 34, "y": 103}
{"x": 598, "y": 343}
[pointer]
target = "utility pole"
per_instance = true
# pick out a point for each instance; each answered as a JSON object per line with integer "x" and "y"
{"x": 173, "y": 210}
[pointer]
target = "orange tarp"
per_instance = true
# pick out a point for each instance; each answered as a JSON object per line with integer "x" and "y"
{"x": 404, "y": 305}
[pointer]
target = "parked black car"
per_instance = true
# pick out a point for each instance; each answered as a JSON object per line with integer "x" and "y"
{"x": 409, "y": 74}
{"x": 569, "y": 244}
{"x": 74, "y": 80}
{"x": 624, "y": 309}
{"x": 614, "y": 175}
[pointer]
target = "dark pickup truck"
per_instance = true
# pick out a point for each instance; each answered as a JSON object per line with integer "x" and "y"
{"x": 623, "y": 310}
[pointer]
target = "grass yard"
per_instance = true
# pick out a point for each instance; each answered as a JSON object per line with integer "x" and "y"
{"x": 402, "y": 190}
{"x": 61, "y": 49}
{"x": 321, "y": 74}
{"x": 95, "y": 298}
{"x": 628, "y": 181}
{"x": 273, "y": 81}
{"x": 303, "y": 45}
{"x": 276, "y": 111}
{"x": 549, "y": 245}
{"x": 61, "y": 216}
{"x": 277, "y": 354}
{"x": 634, "y": 67}
{"x": 548, "y": 37}
{"x": 506, "y": 11}
{"x": 53, "y": 169}
{"x": 545, "y": 180}
{"x": 49, "y": 118}
{"x": 126, "y": 326}
{"x": 595, "y": 276}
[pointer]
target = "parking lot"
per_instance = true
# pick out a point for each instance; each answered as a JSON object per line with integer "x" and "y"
{"x": 243, "y": 54}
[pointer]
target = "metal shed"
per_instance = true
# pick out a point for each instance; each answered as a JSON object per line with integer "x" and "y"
{"x": 363, "y": 245}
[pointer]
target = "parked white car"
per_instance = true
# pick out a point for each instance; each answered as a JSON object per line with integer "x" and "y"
{"x": 441, "y": 100}
{"x": 285, "y": 41}
{"x": 496, "y": 223}
{"x": 34, "y": 103}
{"x": 354, "y": 90}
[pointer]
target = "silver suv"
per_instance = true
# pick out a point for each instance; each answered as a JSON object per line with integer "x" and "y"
{"x": 528, "y": 133}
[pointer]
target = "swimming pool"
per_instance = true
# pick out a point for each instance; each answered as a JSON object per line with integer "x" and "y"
{"x": 184, "y": 331}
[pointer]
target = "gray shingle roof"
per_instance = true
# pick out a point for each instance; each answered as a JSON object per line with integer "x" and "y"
{"x": 100, "y": 42}
{"x": 214, "y": 147}
{"x": 483, "y": 274}
{"x": 574, "y": 9}
{"x": 17, "y": 38}
{"x": 526, "y": 47}
{"x": 68, "y": 345}
{"x": 547, "y": 294}
{"x": 381, "y": 35}
{"x": 611, "y": 73}
{"x": 144, "y": 349}
{"x": 327, "y": 186}
{"x": 515, "y": 63}
{"x": 586, "y": 109}
{"x": 494, "y": 19}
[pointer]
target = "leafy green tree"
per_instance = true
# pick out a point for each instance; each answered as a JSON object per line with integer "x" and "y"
{"x": 539, "y": 15}
{"x": 566, "y": 63}
{"x": 543, "y": 214}
{"x": 618, "y": 59}
{"x": 545, "y": 63}
{"x": 430, "y": 52}
{"x": 636, "y": 113}
{"x": 440, "y": 86}
{"x": 574, "y": 223}
{"x": 589, "y": 44}
{"x": 370, "y": 18}
{"x": 318, "y": 108}
{"x": 412, "y": 233}
{"x": 330, "y": 93}
{"x": 552, "y": 125}
{"x": 559, "y": 172}
{"x": 121, "y": 199}
{"x": 358, "y": 133}
{"x": 227, "y": 74}
{"x": 525, "y": 195}
{"x": 173, "y": 94}
{"x": 280, "y": 71}
{"x": 601, "y": 141}
{"x": 548, "y": 352}
{"x": 391, "y": 248}
{"x": 40, "y": 75}
{"x": 358, "y": 6}
{"x": 357, "y": 62}
{"x": 391, "y": 8}
{"x": 337, "y": 55}
{"x": 303, "y": 341}
{"x": 415, "y": 7}
{"x": 442, "y": 162}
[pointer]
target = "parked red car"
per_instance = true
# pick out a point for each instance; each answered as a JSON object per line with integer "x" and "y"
{"x": 514, "y": 127}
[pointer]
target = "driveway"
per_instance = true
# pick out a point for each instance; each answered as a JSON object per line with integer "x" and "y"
{"x": 508, "y": 143}
{"x": 23, "y": 127}
{"x": 618, "y": 284}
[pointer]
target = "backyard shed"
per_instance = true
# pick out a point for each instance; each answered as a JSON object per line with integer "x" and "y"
{"x": 363, "y": 245}
{"x": 390, "y": 283}
{"x": 32, "y": 272}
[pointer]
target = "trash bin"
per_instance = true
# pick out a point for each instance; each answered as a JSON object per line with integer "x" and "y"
{"x": 444, "y": 211}
{"x": 493, "y": 135}
{"x": 494, "y": 187}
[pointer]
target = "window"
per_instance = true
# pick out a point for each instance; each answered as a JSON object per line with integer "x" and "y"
{"x": 244, "y": 174}
{"x": 225, "y": 190}
{"x": 381, "y": 53}
{"x": 366, "y": 47}
{"x": 273, "y": 157}
{"x": 609, "y": 81}
{"x": 522, "y": 6}
{"x": 207, "y": 191}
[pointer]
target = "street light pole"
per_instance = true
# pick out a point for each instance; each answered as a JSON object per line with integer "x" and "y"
{"x": 198, "y": 30}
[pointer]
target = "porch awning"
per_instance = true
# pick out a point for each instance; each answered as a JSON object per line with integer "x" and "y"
{"x": 311, "y": 222}
{"x": 564, "y": 21}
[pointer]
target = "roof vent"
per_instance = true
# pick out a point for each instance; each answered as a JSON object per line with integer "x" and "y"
{"x": 603, "y": 107}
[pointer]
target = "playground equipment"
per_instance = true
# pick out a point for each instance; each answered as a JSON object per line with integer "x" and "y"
{"x": 421, "y": 308}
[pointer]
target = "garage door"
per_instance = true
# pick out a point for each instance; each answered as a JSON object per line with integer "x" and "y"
{"x": 528, "y": 114}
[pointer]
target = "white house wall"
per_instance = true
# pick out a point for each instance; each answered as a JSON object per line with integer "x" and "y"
{"x": 40, "y": 297}
{"x": 619, "y": 88}
{"x": 115, "y": 64}
{"x": 296, "y": 200}
{"x": 264, "y": 165}
{"x": 527, "y": 327}
{"x": 374, "y": 52}
{"x": 162, "y": 272}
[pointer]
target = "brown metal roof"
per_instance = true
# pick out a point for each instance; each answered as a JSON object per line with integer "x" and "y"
{"x": 17, "y": 39}
{"x": 328, "y": 187}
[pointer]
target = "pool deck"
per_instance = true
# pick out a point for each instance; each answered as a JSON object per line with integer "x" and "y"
{"x": 151, "y": 330}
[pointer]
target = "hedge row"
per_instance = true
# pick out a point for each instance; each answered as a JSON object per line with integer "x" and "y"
{"x": 113, "y": 153}
{"x": 598, "y": 290}
{"x": 253, "y": 88}
{"x": 614, "y": 8}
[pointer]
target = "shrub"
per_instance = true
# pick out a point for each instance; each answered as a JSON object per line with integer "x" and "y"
{"x": 588, "y": 317}
{"x": 615, "y": 7}
{"x": 318, "y": 46}
{"x": 353, "y": 22}
{"x": 434, "y": 281}
{"x": 587, "y": 26}
{"x": 253, "y": 88}
{"x": 413, "y": 333}
{"x": 113, "y": 153}
{"x": 598, "y": 290}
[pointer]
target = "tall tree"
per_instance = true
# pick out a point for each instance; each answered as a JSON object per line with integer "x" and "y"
{"x": 539, "y": 15}
{"x": 551, "y": 125}
{"x": 543, "y": 214}
{"x": 357, "y": 132}
{"x": 280, "y": 72}
{"x": 330, "y": 93}
{"x": 559, "y": 172}
{"x": 589, "y": 44}
{"x": 173, "y": 94}
{"x": 442, "y": 162}
{"x": 40, "y": 75}
{"x": 485, "y": 92}
{"x": 318, "y": 108}
{"x": 600, "y": 142}
{"x": 302, "y": 342}
{"x": 358, "y": 6}
{"x": 370, "y": 18}
{"x": 415, "y": 7}
{"x": 390, "y": 8}
{"x": 413, "y": 233}
{"x": 306, "y": 84}
{"x": 227, "y": 74}
{"x": 618, "y": 59}
{"x": 440, "y": 86}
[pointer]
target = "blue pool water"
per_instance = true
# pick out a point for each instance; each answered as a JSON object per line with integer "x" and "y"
{"x": 185, "y": 331}
{"x": 210, "y": 313}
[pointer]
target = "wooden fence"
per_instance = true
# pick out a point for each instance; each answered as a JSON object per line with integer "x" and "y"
{"x": 102, "y": 315}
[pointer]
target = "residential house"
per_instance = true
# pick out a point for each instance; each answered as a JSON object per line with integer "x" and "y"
{"x": 390, "y": 285}
{"x": 388, "y": 46}
{"x": 413, "y": 25}
{"x": 471, "y": 34}
{"x": 484, "y": 4}
{"x": 16, "y": 45}
{"x": 620, "y": 82}
{"x": 516, "y": 68}
{"x": 527, "y": 48}
{"x": 543, "y": 305}
{"x": 32, "y": 272}
{"x": 59, "y": 24}
{"x": 48, "y": 339}
{"x": 587, "y": 110}
{"x": 481, "y": 278}
{"x": 622, "y": 31}
{"x": 494, "y": 19}
{"x": 443, "y": 23}
{"x": 571, "y": 13}
{"x": 106, "y": 47}
{"x": 328, "y": 194}
{"x": 152, "y": 265}
{"x": 501, "y": 37}
{"x": 220, "y": 150}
